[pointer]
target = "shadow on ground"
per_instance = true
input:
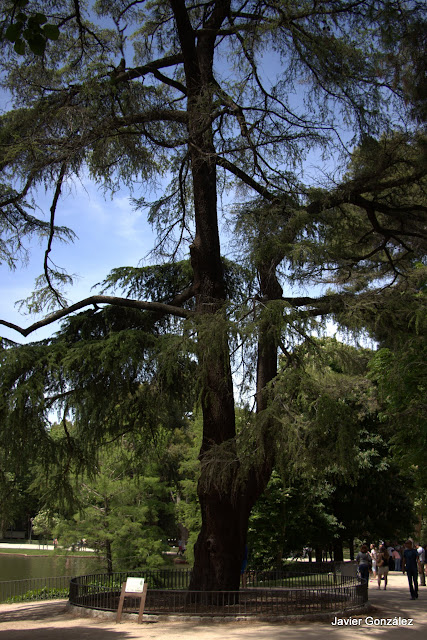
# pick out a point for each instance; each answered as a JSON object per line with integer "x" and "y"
{"x": 82, "y": 633}
{"x": 35, "y": 611}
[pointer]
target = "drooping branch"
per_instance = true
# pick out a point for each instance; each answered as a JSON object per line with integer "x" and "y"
{"x": 401, "y": 222}
{"x": 156, "y": 307}
{"x": 52, "y": 231}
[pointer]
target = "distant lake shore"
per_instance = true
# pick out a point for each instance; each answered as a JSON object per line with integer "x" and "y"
{"x": 20, "y": 565}
{"x": 44, "y": 555}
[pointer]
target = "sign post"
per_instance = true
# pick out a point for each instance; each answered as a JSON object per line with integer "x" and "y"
{"x": 133, "y": 588}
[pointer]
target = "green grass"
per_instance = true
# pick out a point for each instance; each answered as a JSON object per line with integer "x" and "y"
{"x": 306, "y": 581}
{"x": 47, "y": 552}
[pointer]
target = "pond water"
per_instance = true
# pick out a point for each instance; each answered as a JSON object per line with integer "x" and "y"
{"x": 19, "y": 567}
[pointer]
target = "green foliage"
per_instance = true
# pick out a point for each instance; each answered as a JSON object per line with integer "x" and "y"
{"x": 338, "y": 480}
{"x": 287, "y": 518}
{"x": 377, "y": 231}
{"x": 180, "y": 457}
{"x": 44, "y": 593}
{"x": 268, "y": 525}
{"x": 109, "y": 377}
{"x": 399, "y": 370}
{"x": 155, "y": 282}
{"x": 125, "y": 510}
{"x": 403, "y": 64}
{"x": 83, "y": 107}
{"x": 320, "y": 507}
{"x": 44, "y": 524}
{"x": 381, "y": 503}
{"x": 48, "y": 292}
{"x": 33, "y": 29}
{"x": 321, "y": 397}
{"x": 17, "y": 503}
{"x": 17, "y": 231}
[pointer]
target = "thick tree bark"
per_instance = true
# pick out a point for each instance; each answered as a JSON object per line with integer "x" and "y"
{"x": 338, "y": 551}
{"x": 225, "y": 499}
{"x": 220, "y": 546}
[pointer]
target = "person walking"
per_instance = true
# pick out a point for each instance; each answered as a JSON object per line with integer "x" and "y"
{"x": 373, "y": 551}
{"x": 397, "y": 559}
{"x": 421, "y": 564}
{"x": 364, "y": 562}
{"x": 410, "y": 564}
{"x": 383, "y": 558}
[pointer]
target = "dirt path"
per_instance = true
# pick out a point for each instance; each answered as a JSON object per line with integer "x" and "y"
{"x": 50, "y": 620}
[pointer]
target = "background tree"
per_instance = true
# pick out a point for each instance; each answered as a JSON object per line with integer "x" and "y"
{"x": 125, "y": 512}
{"x": 45, "y": 523}
{"x": 85, "y": 107}
{"x": 289, "y": 517}
{"x": 17, "y": 503}
{"x": 341, "y": 482}
{"x": 399, "y": 370}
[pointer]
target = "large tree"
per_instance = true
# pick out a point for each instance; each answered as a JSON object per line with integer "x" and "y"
{"x": 198, "y": 102}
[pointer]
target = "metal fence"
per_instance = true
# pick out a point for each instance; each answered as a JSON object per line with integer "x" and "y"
{"x": 293, "y": 590}
{"x": 281, "y": 593}
{"x": 291, "y": 575}
{"x": 294, "y": 575}
{"x": 58, "y": 587}
{"x": 35, "y": 589}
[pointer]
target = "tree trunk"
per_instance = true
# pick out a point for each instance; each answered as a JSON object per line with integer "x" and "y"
{"x": 338, "y": 551}
{"x": 220, "y": 545}
{"x": 351, "y": 547}
{"x": 225, "y": 497}
{"x": 108, "y": 556}
{"x": 318, "y": 553}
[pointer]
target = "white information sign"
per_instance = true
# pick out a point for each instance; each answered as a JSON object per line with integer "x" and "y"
{"x": 134, "y": 585}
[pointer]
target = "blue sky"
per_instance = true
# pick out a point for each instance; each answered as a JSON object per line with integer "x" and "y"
{"x": 109, "y": 234}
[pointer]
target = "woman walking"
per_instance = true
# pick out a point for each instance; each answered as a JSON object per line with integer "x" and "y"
{"x": 364, "y": 561}
{"x": 383, "y": 558}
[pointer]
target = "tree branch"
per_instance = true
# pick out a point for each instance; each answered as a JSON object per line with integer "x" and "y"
{"x": 156, "y": 307}
{"x": 150, "y": 67}
{"x": 52, "y": 231}
{"x": 244, "y": 177}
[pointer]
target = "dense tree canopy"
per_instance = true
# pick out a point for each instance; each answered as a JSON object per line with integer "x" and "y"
{"x": 220, "y": 97}
{"x": 337, "y": 478}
